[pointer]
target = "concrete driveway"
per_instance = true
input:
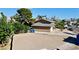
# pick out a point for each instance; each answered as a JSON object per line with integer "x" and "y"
{"x": 37, "y": 41}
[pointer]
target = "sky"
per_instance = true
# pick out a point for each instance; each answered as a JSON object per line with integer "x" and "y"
{"x": 63, "y": 13}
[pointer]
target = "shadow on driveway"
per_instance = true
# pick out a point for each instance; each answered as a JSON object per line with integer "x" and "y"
{"x": 69, "y": 33}
{"x": 72, "y": 40}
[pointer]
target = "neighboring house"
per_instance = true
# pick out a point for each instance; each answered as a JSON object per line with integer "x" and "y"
{"x": 76, "y": 30}
{"x": 65, "y": 26}
{"x": 43, "y": 25}
{"x": 73, "y": 21}
{"x": 71, "y": 24}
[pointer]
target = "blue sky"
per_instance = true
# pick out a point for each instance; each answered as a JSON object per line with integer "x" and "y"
{"x": 49, "y": 12}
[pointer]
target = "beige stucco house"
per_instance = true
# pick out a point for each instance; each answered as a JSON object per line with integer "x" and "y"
{"x": 43, "y": 25}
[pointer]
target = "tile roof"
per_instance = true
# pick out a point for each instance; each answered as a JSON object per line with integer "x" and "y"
{"x": 41, "y": 24}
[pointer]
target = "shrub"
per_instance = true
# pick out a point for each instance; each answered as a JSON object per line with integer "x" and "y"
{"x": 59, "y": 24}
{"x": 20, "y": 28}
{"x": 5, "y": 30}
{"x": 25, "y": 28}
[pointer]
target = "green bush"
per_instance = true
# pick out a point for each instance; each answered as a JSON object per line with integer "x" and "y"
{"x": 17, "y": 27}
{"x": 20, "y": 28}
{"x": 5, "y": 33}
{"x": 25, "y": 28}
{"x": 5, "y": 30}
{"x": 59, "y": 24}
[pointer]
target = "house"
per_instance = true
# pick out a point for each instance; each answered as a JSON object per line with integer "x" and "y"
{"x": 76, "y": 30}
{"x": 43, "y": 25}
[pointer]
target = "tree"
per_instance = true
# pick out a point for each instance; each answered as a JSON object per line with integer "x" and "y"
{"x": 20, "y": 28}
{"x": 39, "y": 17}
{"x": 3, "y": 19}
{"x": 17, "y": 27}
{"x": 77, "y": 20}
{"x": 32, "y": 20}
{"x": 5, "y": 30}
{"x": 23, "y": 20}
{"x": 53, "y": 18}
{"x": 63, "y": 21}
{"x": 16, "y": 17}
{"x": 59, "y": 24}
{"x": 25, "y": 14}
{"x": 42, "y": 17}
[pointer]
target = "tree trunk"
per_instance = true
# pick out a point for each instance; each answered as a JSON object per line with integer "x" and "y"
{"x": 61, "y": 29}
{"x": 11, "y": 45}
{"x": 2, "y": 44}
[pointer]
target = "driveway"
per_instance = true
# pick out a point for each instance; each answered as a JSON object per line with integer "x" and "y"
{"x": 37, "y": 41}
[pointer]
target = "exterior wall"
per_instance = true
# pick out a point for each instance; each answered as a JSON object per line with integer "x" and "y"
{"x": 76, "y": 30}
{"x": 42, "y": 29}
{"x": 51, "y": 29}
